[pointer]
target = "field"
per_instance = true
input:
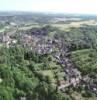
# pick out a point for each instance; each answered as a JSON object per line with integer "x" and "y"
{"x": 85, "y": 60}
{"x": 76, "y": 24}
{"x": 50, "y": 74}
{"x": 27, "y": 27}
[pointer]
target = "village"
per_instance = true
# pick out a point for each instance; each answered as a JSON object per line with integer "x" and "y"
{"x": 59, "y": 50}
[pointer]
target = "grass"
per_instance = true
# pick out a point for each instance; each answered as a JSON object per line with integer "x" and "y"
{"x": 51, "y": 34}
{"x": 29, "y": 27}
{"x": 53, "y": 68}
{"x": 77, "y": 96}
{"x": 66, "y": 26}
{"x": 48, "y": 73}
{"x": 2, "y": 30}
{"x": 85, "y": 60}
{"x": 53, "y": 65}
{"x": 61, "y": 26}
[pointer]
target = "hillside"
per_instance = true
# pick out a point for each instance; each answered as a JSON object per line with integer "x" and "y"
{"x": 48, "y": 57}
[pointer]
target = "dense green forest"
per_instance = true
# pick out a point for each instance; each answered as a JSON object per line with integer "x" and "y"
{"x": 20, "y": 77}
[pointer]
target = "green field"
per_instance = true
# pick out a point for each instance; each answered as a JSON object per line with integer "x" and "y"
{"x": 85, "y": 60}
{"x": 29, "y": 27}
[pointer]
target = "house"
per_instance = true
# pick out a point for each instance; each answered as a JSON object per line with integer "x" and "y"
{"x": 92, "y": 88}
{"x": 5, "y": 38}
{"x": 74, "y": 81}
{"x": 22, "y": 98}
{"x": 14, "y": 41}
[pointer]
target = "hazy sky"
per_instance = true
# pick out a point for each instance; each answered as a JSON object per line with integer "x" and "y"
{"x": 68, "y": 6}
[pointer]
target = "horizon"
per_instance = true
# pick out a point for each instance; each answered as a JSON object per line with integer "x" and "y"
{"x": 47, "y": 6}
{"x": 13, "y": 12}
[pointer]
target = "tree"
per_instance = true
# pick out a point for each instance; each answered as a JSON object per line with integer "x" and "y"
{"x": 6, "y": 93}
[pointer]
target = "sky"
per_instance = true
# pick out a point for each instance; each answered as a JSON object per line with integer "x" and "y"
{"x": 53, "y": 6}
